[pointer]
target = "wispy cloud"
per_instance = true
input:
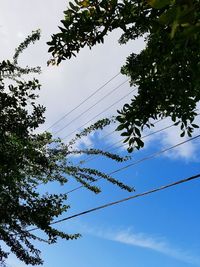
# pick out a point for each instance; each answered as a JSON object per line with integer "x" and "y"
{"x": 145, "y": 241}
{"x": 170, "y": 137}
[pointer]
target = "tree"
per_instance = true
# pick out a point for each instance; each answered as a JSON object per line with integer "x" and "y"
{"x": 166, "y": 72}
{"x": 29, "y": 159}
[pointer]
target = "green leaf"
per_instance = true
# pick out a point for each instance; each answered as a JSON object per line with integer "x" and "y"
{"x": 137, "y": 131}
{"x": 130, "y": 149}
{"x": 51, "y": 49}
{"x": 126, "y": 140}
{"x": 158, "y": 3}
{"x": 176, "y": 123}
{"x": 120, "y": 127}
{"x": 194, "y": 125}
{"x": 139, "y": 142}
{"x": 125, "y": 134}
{"x": 182, "y": 134}
{"x": 169, "y": 16}
{"x": 174, "y": 28}
{"x": 84, "y": 3}
{"x": 120, "y": 119}
{"x": 73, "y": 7}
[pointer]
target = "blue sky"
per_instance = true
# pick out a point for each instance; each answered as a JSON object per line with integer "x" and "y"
{"x": 161, "y": 229}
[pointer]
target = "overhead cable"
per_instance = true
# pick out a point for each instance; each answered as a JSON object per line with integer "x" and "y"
{"x": 197, "y": 176}
{"x": 82, "y": 113}
{"x": 79, "y": 128}
{"x": 151, "y": 156}
{"x": 89, "y": 158}
{"x": 86, "y": 99}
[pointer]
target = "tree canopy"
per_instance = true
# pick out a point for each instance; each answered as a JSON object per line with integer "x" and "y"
{"x": 166, "y": 72}
{"x": 30, "y": 159}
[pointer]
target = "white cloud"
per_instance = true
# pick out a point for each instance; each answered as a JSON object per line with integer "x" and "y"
{"x": 83, "y": 143}
{"x": 171, "y": 137}
{"x": 143, "y": 240}
{"x": 66, "y": 86}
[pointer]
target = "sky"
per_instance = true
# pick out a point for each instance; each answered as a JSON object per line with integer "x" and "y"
{"x": 161, "y": 229}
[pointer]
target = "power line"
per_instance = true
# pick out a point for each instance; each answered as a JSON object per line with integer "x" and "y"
{"x": 155, "y": 154}
{"x": 89, "y": 158}
{"x": 143, "y": 137}
{"x": 79, "y": 128}
{"x": 151, "y": 156}
{"x": 77, "y": 117}
{"x": 125, "y": 199}
{"x": 86, "y": 99}
{"x": 110, "y": 133}
{"x": 117, "y": 147}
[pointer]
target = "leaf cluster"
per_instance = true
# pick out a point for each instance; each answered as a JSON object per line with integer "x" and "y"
{"x": 86, "y": 23}
{"x": 166, "y": 72}
{"x": 29, "y": 160}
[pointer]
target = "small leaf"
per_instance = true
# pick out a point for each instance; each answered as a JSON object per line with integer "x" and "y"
{"x": 120, "y": 119}
{"x": 158, "y": 3}
{"x": 131, "y": 141}
{"x": 51, "y": 49}
{"x": 126, "y": 140}
{"x": 174, "y": 29}
{"x": 84, "y": 3}
{"x": 137, "y": 123}
{"x": 182, "y": 126}
{"x": 120, "y": 127}
{"x": 73, "y": 7}
{"x": 182, "y": 134}
{"x": 137, "y": 131}
{"x": 130, "y": 149}
{"x": 176, "y": 123}
{"x": 195, "y": 125}
{"x": 169, "y": 16}
{"x": 139, "y": 142}
{"x": 125, "y": 134}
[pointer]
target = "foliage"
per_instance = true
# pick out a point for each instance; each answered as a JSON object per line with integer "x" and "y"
{"x": 29, "y": 159}
{"x": 166, "y": 72}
